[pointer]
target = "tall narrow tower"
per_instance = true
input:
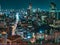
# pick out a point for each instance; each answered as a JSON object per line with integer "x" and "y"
{"x": 29, "y": 11}
{"x": 30, "y": 5}
{"x": 53, "y": 11}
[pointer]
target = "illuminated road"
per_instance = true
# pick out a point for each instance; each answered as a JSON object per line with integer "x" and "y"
{"x": 15, "y": 25}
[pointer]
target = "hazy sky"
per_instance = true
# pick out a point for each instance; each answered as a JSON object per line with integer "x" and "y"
{"x": 18, "y": 4}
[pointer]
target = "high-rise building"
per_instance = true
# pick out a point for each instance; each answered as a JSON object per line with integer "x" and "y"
{"x": 30, "y": 5}
{"x": 29, "y": 11}
{"x": 53, "y": 12}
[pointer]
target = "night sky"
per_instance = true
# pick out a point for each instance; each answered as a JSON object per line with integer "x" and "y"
{"x": 19, "y": 4}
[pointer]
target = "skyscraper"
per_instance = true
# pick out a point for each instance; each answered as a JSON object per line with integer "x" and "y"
{"x": 29, "y": 10}
{"x": 30, "y": 5}
{"x": 53, "y": 12}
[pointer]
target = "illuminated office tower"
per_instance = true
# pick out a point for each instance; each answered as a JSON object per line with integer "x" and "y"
{"x": 53, "y": 12}
{"x": 30, "y": 4}
{"x": 29, "y": 11}
{"x": 53, "y": 9}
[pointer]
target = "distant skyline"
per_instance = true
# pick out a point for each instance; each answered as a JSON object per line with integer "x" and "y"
{"x": 19, "y": 4}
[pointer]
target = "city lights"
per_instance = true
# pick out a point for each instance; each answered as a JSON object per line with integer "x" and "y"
{"x": 28, "y": 37}
{"x": 40, "y": 31}
{"x": 29, "y": 25}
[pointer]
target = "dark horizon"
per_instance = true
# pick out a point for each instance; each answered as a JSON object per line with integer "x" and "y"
{"x": 20, "y": 4}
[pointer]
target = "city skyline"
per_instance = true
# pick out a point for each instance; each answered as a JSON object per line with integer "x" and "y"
{"x": 20, "y": 4}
